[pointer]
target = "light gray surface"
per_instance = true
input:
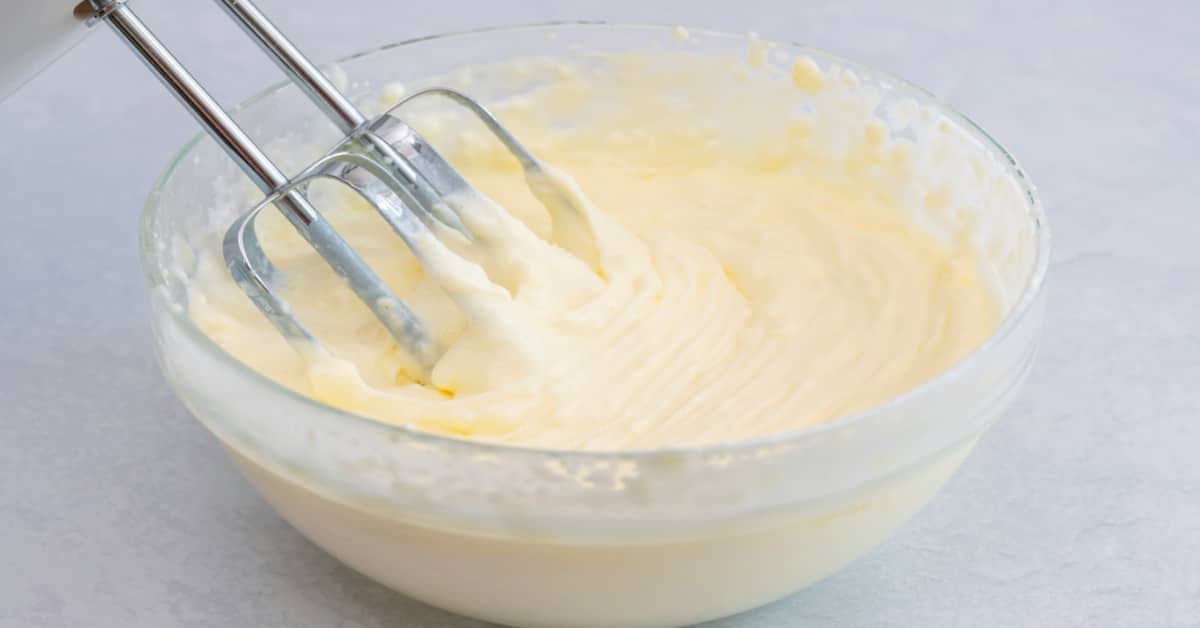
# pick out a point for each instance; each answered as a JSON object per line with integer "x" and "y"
{"x": 1081, "y": 508}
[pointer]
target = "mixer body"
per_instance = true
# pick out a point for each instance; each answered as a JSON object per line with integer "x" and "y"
{"x": 33, "y": 33}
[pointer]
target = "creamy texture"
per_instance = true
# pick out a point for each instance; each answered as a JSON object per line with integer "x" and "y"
{"x": 538, "y": 582}
{"x": 718, "y": 285}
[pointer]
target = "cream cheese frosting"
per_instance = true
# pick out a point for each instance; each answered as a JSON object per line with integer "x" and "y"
{"x": 723, "y": 279}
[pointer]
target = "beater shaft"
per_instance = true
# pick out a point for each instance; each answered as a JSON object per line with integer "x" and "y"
{"x": 391, "y": 311}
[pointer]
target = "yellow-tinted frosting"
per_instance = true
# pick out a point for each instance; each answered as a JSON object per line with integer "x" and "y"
{"x": 723, "y": 282}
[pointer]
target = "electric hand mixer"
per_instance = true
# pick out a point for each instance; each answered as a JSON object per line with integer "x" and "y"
{"x": 382, "y": 159}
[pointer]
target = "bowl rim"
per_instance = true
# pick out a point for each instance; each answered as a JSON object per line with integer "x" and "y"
{"x": 1031, "y": 291}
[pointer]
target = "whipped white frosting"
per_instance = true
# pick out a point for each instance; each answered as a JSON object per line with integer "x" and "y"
{"x": 726, "y": 278}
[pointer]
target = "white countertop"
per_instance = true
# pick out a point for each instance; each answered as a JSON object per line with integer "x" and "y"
{"x": 1080, "y": 508}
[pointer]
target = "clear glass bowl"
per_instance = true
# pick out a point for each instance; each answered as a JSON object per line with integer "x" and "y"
{"x": 552, "y": 538}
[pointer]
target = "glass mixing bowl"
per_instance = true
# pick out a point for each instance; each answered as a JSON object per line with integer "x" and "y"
{"x": 552, "y": 538}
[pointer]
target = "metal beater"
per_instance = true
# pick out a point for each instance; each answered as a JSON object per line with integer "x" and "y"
{"x": 382, "y": 159}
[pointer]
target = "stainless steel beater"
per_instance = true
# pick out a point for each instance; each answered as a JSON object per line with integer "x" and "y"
{"x": 382, "y": 159}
